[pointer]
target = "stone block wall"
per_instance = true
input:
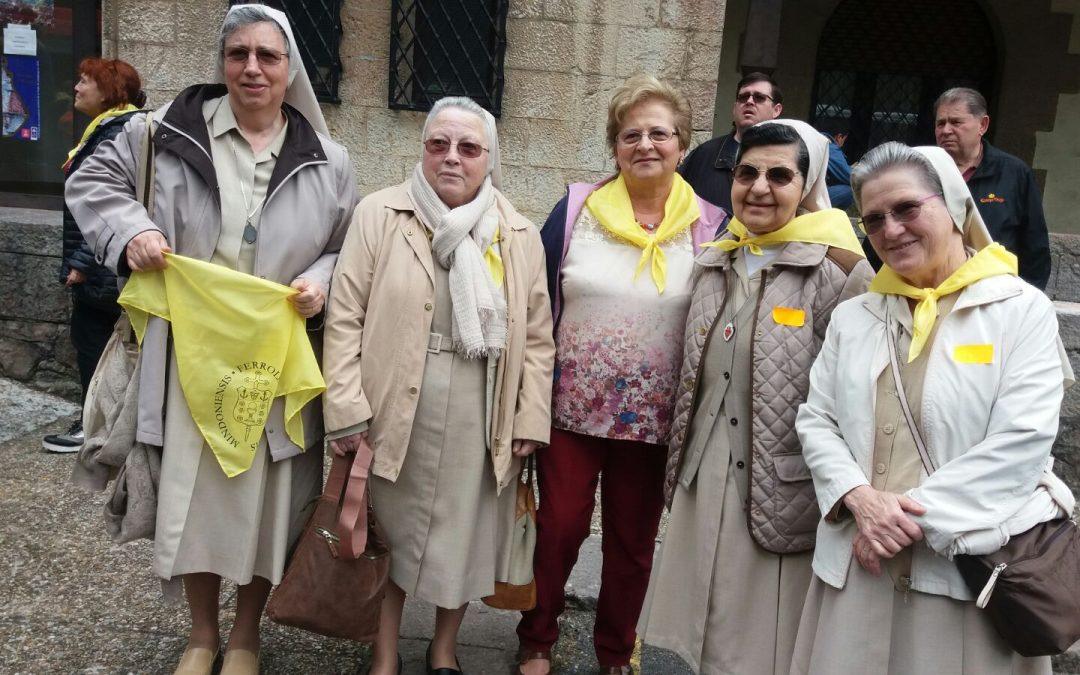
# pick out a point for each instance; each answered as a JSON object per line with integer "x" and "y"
{"x": 34, "y": 305}
{"x": 563, "y": 60}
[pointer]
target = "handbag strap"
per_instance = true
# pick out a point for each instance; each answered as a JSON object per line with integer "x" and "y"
{"x": 352, "y": 523}
{"x": 924, "y": 455}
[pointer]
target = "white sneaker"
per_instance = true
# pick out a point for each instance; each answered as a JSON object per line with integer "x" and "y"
{"x": 72, "y": 441}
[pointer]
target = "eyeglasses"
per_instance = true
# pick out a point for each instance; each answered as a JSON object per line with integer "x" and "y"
{"x": 632, "y": 137}
{"x": 777, "y": 176}
{"x": 441, "y": 146}
{"x": 266, "y": 57}
{"x": 904, "y": 212}
{"x": 758, "y": 97}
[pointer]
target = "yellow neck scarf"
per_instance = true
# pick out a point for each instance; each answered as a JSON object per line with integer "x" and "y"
{"x": 989, "y": 262}
{"x": 494, "y": 262}
{"x": 830, "y": 227}
{"x": 92, "y": 127}
{"x": 612, "y": 207}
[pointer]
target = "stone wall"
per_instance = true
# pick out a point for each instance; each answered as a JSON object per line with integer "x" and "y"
{"x": 563, "y": 59}
{"x": 34, "y": 305}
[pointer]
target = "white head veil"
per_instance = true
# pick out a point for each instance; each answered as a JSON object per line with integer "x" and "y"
{"x": 299, "y": 93}
{"x": 815, "y": 194}
{"x": 958, "y": 199}
{"x": 469, "y": 105}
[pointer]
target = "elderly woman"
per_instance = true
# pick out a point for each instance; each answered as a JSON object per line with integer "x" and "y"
{"x": 439, "y": 357}
{"x": 245, "y": 178}
{"x": 988, "y": 413}
{"x": 735, "y": 565}
{"x": 109, "y": 92}
{"x": 619, "y": 258}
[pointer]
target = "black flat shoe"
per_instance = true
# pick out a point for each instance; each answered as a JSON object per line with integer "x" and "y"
{"x": 441, "y": 671}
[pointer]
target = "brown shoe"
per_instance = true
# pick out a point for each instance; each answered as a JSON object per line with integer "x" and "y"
{"x": 525, "y": 655}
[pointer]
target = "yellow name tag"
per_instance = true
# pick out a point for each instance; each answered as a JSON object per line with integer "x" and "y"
{"x": 973, "y": 354}
{"x": 788, "y": 316}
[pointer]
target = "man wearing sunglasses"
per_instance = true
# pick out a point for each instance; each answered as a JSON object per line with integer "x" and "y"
{"x": 708, "y": 168}
{"x": 1003, "y": 186}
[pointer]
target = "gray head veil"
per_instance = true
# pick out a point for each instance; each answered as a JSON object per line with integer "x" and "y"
{"x": 299, "y": 94}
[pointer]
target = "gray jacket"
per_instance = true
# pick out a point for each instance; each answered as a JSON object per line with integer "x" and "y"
{"x": 310, "y": 199}
{"x": 782, "y": 512}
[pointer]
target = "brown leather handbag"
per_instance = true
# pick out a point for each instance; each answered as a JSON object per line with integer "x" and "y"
{"x": 336, "y": 578}
{"x": 1029, "y": 588}
{"x": 518, "y": 592}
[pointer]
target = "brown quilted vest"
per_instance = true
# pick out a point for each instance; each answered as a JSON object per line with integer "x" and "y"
{"x": 782, "y": 513}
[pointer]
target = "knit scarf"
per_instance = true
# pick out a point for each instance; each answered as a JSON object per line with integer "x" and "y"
{"x": 460, "y": 238}
{"x": 613, "y": 209}
{"x": 92, "y": 127}
{"x": 830, "y": 227}
{"x": 989, "y": 262}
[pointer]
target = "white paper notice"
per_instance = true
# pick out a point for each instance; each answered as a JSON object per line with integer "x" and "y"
{"x": 20, "y": 39}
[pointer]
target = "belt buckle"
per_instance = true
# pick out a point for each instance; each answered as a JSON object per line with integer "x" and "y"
{"x": 434, "y": 345}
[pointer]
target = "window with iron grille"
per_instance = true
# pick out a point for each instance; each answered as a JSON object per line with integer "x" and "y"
{"x": 316, "y": 25}
{"x": 447, "y": 48}
{"x": 881, "y": 65}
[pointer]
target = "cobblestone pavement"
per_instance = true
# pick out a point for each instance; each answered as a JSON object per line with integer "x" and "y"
{"x": 72, "y": 602}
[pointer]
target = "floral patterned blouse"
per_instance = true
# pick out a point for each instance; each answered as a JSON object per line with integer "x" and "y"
{"x": 619, "y": 341}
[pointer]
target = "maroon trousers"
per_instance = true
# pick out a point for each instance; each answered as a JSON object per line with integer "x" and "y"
{"x": 631, "y": 478}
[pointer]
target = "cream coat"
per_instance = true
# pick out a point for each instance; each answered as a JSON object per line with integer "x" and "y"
{"x": 378, "y": 322}
{"x": 989, "y": 428}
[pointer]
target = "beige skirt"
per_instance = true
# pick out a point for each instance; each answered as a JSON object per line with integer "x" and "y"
{"x": 446, "y": 526}
{"x": 716, "y": 598}
{"x": 237, "y": 528}
{"x": 871, "y": 628}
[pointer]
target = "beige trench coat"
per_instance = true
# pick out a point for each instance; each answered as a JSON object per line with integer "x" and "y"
{"x": 378, "y": 322}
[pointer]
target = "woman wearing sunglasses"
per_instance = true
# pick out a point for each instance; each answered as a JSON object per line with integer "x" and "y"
{"x": 886, "y": 596}
{"x": 729, "y": 584}
{"x": 619, "y": 259}
{"x": 439, "y": 357}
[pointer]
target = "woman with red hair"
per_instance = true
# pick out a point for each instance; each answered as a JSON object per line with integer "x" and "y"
{"x": 108, "y": 91}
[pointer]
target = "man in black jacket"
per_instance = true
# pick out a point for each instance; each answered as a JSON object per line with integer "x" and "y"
{"x": 1003, "y": 186}
{"x": 708, "y": 167}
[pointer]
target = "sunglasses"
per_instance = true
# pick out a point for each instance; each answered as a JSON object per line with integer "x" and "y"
{"x": 441, "y": 146}
{"x": 632, "y": 137}
{"x": 758, "y": 97}
{"x": 266, "y": 57}
{"x": 777, "y": 176}
{"x": 904, "y": 212}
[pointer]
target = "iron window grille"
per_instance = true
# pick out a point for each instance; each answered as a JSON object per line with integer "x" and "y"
{"x": 316, "y": 25}
{"x": 447, "y": 48}
{"x": 882, "y": 64}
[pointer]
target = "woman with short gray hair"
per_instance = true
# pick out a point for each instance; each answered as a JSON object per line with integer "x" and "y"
{"x": 245, "y": 177}
{"x": 960, "y": 362}
{"x": 438, "y": 360}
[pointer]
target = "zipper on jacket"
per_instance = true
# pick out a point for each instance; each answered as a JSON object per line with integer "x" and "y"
{"x": 266, "y": 202}
{"x": 750, "y": 448}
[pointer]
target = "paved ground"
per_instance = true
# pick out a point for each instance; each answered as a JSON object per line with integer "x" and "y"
{"x": 71, "y": 602}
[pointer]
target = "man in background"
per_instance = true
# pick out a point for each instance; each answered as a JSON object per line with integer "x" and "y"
{"x": 708, "y": 167}
{"x": 1003, "y": 186}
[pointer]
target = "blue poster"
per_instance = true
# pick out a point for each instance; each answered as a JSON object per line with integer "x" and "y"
{"x": 21, "y": 88}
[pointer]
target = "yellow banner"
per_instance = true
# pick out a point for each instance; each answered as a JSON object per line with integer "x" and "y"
{"x": 239, "y": 344}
